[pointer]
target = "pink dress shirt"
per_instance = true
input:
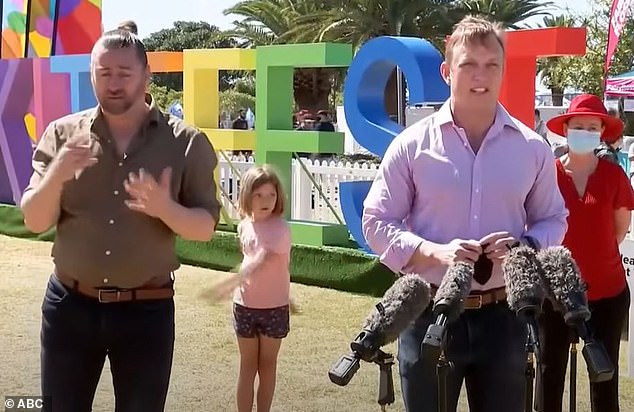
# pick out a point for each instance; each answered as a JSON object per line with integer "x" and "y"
{"x": 432, "y": 186}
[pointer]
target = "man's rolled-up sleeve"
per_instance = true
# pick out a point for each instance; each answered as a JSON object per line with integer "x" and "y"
{"x": 387, "y": 204}
{"x": 43, "y": 155}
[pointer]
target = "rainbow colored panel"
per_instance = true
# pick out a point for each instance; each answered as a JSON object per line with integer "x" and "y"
{"x": 78, "y": 26}
{"x": 13, "y": 33}
{"x": 41, "y": 24}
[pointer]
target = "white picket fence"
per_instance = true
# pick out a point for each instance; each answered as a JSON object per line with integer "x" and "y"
{"x": 306, "y": 203}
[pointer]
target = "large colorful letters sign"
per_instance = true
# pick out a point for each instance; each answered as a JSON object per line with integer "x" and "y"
{"x": 363, "y": 100}
{"x": 43, "y": 28}
{"x": 275, "y": 138}
{"x": 30, "y": 93}
{"x": 35, "y": 91}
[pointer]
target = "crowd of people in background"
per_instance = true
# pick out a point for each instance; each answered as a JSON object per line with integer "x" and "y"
{"x": 304, "y": 119}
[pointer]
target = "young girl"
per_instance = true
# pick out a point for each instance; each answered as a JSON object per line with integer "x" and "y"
{"x": 261, "y": 302}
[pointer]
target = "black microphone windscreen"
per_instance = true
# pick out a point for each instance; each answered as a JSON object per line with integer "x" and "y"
{"x": 561, "y": 276}
{"x": 521, "y": 275}
{"x": 453, "y": 290}
{"x": 401, "y": 304}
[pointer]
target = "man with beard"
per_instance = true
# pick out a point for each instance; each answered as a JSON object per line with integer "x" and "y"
{"x": 119, "y": 182}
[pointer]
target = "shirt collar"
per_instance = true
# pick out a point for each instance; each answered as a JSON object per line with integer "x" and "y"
{"x": 502, "y": 116}
{"x": 153, "y": 117}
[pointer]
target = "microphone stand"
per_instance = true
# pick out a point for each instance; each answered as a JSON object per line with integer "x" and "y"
{"x": 386, "y": 382}
{"x": 529, "y": 313}
{"x": 600, "y": 368}
{"x": 532, "y": 352}
{"x": 433, "y": 350}
{"x": 573, "y": 372}
{"x": 442, "y": 369}
{"x": 365, "y": 347}
{"x": 530, "y": 376}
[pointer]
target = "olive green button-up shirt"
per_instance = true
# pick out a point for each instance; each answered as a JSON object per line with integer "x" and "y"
{"x": 99, "y": 240}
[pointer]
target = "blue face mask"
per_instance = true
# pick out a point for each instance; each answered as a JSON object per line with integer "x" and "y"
{"x": 583, "y": 141}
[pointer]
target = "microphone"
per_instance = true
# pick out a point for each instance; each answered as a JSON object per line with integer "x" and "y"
{"x": 401, "y": 304}
{"x": 524, "y": 292}
{"x": 448, "y": 305}
{"x": 567, "y": 291}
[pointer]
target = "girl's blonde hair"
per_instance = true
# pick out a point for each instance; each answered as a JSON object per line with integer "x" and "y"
{"x": 251, "y": 180}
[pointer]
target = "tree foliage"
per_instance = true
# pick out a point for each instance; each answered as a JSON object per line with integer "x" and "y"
{"x": 245, "y": 84}
{"x": 585, "y": 73}
{"x": 232, "y": 101}
{"x": 508, "y": 12}
{"x": 188, "y": 35}
{"x": 265, "y": 22}
{"x": 164, "y": 96}
{"x": 554, "y": 74}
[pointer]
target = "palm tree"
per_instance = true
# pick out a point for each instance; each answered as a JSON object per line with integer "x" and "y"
{"x": 266, "y": 22}
{"x": 552, "y": 69}
{"x": 508, "y": 12}
{"x": 357, "y": 21}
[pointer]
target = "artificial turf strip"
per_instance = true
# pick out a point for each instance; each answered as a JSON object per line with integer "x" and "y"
{"x": 12, "y": 224}
{"x": 343, "y": 269}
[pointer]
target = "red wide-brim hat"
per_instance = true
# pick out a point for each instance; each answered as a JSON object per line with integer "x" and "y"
{"x": 588, "y": 105}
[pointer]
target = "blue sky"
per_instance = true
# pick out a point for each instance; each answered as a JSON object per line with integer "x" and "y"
{"x": 154, "y": 15}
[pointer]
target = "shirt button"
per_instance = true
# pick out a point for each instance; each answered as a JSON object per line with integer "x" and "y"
{"x": 475, "y": 217}
{"x": 116, "y": 192}
{"x": 477, "y": 190}
{"x": 120, "y": 164}
{"x": 105, "y": 280}
{"x": 108, "y": 253}
{"x": 111, "y": 221}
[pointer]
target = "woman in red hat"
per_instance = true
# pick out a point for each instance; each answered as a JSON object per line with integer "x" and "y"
{"x": 599, "y": 198}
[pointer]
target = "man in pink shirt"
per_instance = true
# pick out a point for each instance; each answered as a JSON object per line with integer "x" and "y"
{"x": 467, "y": 181}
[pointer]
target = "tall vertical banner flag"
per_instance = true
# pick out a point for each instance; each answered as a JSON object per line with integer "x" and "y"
{"x": 618, "y": 16}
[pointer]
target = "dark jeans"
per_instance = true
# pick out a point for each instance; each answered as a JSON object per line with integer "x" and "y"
{"x": 77, "y": 335}
{"x": 487, "y": 347}
{"x": 608, "y": 316}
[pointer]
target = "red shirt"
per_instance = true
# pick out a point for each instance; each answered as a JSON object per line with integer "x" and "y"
{"x": 591, "y": 236}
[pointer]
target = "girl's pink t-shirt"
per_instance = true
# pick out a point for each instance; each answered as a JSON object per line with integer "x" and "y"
{"x": 268, "y": 285}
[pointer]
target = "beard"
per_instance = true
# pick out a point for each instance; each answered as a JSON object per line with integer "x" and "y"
{"x": 117, "y": 106}
{"x": 123, "y": 102}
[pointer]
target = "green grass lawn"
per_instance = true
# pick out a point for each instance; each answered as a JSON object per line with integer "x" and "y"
{"x": 206, "y": 358}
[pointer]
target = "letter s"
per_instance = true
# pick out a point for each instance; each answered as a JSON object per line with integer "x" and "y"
{"x": 364, "y": 106}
